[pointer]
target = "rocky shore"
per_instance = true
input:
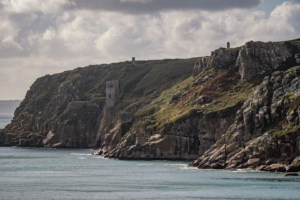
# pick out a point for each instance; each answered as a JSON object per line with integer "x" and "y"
{"x": 241, "y": 109}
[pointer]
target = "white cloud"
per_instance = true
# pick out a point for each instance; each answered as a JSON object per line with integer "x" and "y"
{"x": 38, "y": 40}
{"x": 29, "y": 6}
{"x": 49, "y": 34}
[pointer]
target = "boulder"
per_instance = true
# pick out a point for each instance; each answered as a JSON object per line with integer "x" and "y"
{"x": 58, "y": 145}
{"x": 23, "y": 143}
{"x": 217, "y": 166}
{"x": 295, "y": 166}
{"x": 276, "y": 168}
{"x": 292, "y": 174}
{"x": 51, "y": 138}
{"x": 254, "y": 162}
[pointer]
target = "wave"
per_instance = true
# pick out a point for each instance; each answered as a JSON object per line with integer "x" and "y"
{"x": 81, "y": 154}
{"x": 145, "y": 164}
{"x": 244, "y": 171}
{"x": 183, "y": 165}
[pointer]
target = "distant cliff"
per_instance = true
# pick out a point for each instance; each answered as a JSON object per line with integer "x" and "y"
{"x": 238, "y": 110}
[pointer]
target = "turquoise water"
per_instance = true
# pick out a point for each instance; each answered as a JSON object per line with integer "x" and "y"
{"x": 38, "y": 173}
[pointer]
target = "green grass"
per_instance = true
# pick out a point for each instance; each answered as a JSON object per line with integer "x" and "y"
{"x": 224, "y": 87}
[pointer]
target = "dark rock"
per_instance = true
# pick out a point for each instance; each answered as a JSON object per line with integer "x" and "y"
{"x": 295, "y": 166}
{"x": 23, "y": 143}
{"x": 34, "y": 139}
{"x": 10, "y": 139}
{"x": 217, "y": 166}
{"x": 276, "y": 168}
{"x": 281, "y": 169}
{"x": 292, "y": 174}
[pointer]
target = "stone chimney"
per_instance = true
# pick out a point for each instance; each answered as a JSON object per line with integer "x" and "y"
{"x": 228, "y": 45}
{"x": 133, "y": 61}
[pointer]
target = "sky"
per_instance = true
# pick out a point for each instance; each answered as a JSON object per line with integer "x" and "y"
{"x": 39, "y": 37}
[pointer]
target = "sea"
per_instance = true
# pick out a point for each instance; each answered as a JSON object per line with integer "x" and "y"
{"x": 39, "y": 173}
{"x": 5, "y": 119}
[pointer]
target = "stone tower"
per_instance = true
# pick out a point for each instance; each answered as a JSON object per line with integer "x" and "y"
{"x": 133, "y": 61}
{"x": 112, "y": 93}
{"x": 228, "y": 45}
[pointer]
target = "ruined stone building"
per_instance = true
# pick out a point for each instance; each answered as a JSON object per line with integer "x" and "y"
{"x": 112, "y": 93}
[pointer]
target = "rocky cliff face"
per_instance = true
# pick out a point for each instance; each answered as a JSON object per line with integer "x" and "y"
{"x": 257, "y": 57}
{"x": 185, "y": 139}
{"x": 67, "y": 110}
{"x": 265, "y": 134}
{"x": 251, "y": 59}
{"x": 219, "y": 59}
{"x": 236, "y": 112}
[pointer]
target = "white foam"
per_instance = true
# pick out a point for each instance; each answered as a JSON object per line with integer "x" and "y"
{"x": 182, "y": 165}
{"x": 145, "y": 164}
{"x": 81, "y": 154}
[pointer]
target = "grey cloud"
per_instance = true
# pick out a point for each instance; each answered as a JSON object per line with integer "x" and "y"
{"x": 147, "y": 6}
{"x": 295, "y": 1}
{"x": 27, "y": 25}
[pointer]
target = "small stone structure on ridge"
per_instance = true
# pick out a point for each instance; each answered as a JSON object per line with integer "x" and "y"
{"x": 228, "y": 45}
{"x": 112, "y": 93}
{"x": 133, "y": 61}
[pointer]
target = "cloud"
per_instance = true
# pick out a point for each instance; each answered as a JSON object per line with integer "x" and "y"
{"x": 295, "y": 1}
{"x": 58, "y": 36}
{"x": 150, "y": 6}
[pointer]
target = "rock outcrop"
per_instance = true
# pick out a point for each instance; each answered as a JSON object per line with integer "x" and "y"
{"x": 185, "y": 139}
{"x": 265, "y": 134}
{"x": 251, "y": 59}
{"x": 257, "y": 57}
{"x": 219, "y": 59}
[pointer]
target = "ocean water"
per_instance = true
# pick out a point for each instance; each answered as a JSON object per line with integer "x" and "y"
{"x": 38, "y": 173}
{"x": 5, "y": 119}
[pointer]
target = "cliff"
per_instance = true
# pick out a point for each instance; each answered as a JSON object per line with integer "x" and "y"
{"x": 188, "y": 119}
{"x": 68, "y": 109}
{"x": 230, "y": 104}
{"x": 265, "y": 134}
